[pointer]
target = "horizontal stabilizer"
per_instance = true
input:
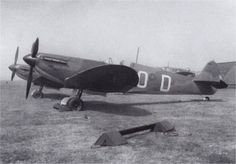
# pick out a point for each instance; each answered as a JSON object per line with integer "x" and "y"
{"x": 219, "y": 85}
{"x": 210, "y": 75}
{"x": 105, "y": 78}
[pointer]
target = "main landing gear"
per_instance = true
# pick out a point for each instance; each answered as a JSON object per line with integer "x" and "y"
{"x": 73, "y": 102}
{"x": 37, "y": 93}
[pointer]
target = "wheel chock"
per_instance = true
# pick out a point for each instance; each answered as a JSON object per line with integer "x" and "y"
{"x": 113, "y": 138}
{"x": 163, "y": 126}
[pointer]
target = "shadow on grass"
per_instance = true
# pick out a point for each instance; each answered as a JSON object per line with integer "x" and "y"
{"x": 55, "y": 96}
{"x": 120, "y": 109}
{"x": 128, "y": 108}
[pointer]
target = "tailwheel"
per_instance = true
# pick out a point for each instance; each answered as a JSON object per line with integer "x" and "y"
{"x": 75, "y": 103}
{"x": 206, "y": 98}
{"x": 37, "y": 94}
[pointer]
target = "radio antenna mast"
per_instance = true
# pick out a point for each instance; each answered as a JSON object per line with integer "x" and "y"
{"x": 137, "y": 55}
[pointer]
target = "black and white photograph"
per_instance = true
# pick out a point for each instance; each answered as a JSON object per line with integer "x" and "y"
{"x": 118, "y": 81}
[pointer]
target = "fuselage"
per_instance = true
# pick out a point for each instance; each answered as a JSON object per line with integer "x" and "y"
{"x": 156, "y": 81}
{"x": 22, "y": 71}
{"x": 57, "y": 68}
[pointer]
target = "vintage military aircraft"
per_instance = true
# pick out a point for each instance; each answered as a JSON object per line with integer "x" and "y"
{"x": 22, "y": 71}
{"x": 97, "y": 76}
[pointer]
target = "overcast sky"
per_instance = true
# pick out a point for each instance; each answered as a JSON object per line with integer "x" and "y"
{"x": 182, "y": 33}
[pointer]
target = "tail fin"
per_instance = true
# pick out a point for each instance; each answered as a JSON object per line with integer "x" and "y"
{"x": 210, "y": 75}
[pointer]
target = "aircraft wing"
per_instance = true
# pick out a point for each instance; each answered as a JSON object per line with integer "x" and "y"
{"x": 105, "y": 78}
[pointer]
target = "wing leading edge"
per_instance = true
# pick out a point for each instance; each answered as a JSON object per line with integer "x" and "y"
{"x": 105, "y": 78}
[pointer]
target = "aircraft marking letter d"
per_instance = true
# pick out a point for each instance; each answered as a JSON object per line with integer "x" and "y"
{"x": 165, "y": 83}
{"x": 143, "y": 77}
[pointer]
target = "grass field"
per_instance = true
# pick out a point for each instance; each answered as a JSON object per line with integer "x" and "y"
{"x": 33, "y": 132}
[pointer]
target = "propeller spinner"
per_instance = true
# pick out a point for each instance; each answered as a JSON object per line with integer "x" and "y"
{"x": 31, "y": 60}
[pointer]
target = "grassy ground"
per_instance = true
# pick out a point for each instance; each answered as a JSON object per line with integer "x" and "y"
{"x": 32, "y": 131}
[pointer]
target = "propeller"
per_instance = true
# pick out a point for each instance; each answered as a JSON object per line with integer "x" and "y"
{"x": 13, "y": 66}
{"x": 29, "y": 81}
{"x": 31, "y": 60}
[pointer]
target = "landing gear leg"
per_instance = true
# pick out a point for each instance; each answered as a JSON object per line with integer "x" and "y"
{"x": 74, "y": 102}
{"x": 74, "y": 91}
{"x": 37, "y": 93}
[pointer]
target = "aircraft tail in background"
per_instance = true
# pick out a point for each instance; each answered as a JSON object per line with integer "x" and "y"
{"x": 210, "y": 75}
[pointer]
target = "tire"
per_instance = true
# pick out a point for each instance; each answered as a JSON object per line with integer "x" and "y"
{"x": 80, "y": 106}
{"x": 36, "y": 94}
{"x": 76, "y": 104}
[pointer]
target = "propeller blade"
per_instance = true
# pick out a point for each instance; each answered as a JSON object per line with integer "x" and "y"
{"x": 30, "y": 77}
{"x": 34, "y": 51}
{"x": 35, "y": 47}
{"x": 16, "y": 55}
{"x": 13, "y": 67}
{"x": 13, "y": 74}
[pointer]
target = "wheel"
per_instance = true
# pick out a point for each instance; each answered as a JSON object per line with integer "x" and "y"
{"x": 76, "y": 104}
{"x": 36, "y": 94}
{"x": 206, "y": 98}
